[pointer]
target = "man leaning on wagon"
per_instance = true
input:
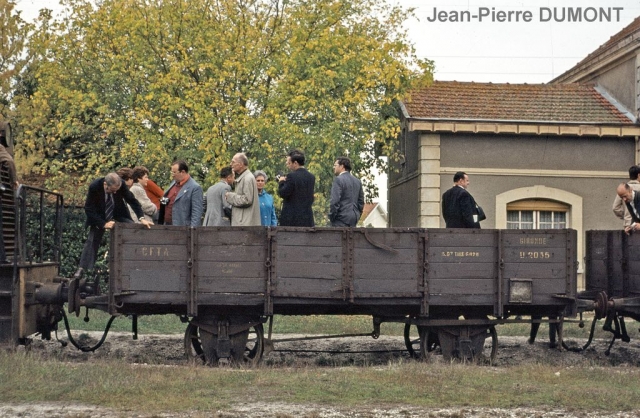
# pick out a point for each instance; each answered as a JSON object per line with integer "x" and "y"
{"x": 619, "y": 207}
{"x": 246, "y": 207}
{"x": 185, "y": 198}
{"x": 106, "y": 204}
{"x": 631, "y": 199}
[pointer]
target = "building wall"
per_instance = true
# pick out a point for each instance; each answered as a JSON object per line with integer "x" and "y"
{"x": 620, "y": 82}
{"x": 403, "y": 203}
{"x": 581, "y": 172}
{"x": 536, "y": 152}
{"x": 375, "y": 219}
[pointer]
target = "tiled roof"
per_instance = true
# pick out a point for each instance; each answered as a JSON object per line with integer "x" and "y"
{"x": 567, "y": 103}
{"x": 612, "y": 42}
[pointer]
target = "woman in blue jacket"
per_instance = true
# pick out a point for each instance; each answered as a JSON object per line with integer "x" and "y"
{"x": 267, "y": 210}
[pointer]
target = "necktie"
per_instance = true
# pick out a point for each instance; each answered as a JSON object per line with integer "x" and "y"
{"x": 108, "y": 210}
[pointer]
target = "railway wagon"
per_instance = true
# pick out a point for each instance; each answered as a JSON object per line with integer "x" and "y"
{"x": 612, "y": 278}
{"x": 453, "y": 284}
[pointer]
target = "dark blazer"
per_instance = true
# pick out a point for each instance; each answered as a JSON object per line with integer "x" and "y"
{"x": 347, "y": 200}
{"x": 95, "y": 204}
{"x": 297, "y": 198}
{"x": 458, "y": 208}
{"x": 636, "y": 203}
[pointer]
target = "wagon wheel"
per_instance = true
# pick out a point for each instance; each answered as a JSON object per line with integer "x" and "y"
{"x": 490, "y": 350}
{"x": 488, "y": 343}
{"x": 254, "y": 346}
{"x": 193, "y": 344}
{"x": 467, "y": 343}
{"x": 246, "y": 346}
{"x": 428, "y": 342}
{"x": 412, "y": 342}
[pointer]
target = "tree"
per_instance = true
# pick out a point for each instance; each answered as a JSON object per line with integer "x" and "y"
{"x": 13, "y": 35}
{"x": 143, "y": 82}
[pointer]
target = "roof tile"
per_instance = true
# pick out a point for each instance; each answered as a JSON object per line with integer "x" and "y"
{"x": 568, "y": 103}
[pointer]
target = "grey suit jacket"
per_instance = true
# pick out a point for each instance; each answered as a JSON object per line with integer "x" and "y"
{"x": 347, "y": 200}
{"x": 187, "y": 207}
{"x": 214, "y": 216}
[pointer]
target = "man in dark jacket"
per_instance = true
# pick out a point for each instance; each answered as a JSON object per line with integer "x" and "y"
{"x": 296, "y": 191}
{"x": 347, "y": 196}
{"x": 458, "y": 206}
{"x": 105, "y": 205}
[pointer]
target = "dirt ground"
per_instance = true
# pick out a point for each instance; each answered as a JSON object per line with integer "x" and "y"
{"x": 168, "y": 349}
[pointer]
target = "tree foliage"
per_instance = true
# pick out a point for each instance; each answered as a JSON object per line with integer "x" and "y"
{"x": 132, "y": 82}
{"x": 13, "y": 35}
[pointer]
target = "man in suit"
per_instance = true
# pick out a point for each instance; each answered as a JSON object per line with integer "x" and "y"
{"x": 347, "y": 196}
{"x": 106, "y": 204}
{"x": 458, "y": 206}
{"x": 619, "y": 207}
{"x": 216, "y": 202}
{"x": 184, "y": 207}
{"x": 296, "y": 191}
{"x": 631, "y": 199}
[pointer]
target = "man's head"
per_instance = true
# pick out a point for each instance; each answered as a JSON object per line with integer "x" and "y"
{"x": 295, "y": 160}
{"x": 179, "y": 170}
{"x": 239, "y": 163}
{"x": 461, "y": 179}
{"x": 112, "y": 183}
{"x": 634, "y": 171}
{"x": 126, "y": 174}
{"x": 141, "y": 175}
{"x": 227, "y": 175}
{"x": 261, "y": 179}
{"x": 342, "y": 164}
{"x": 625, "y": 192}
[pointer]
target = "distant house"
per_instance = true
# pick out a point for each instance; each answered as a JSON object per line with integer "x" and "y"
{"x": 373, "y": 216}
{"x": 538, "y": 155}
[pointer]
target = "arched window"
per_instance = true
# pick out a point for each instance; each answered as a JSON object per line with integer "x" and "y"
{"x": 537, "y": 214}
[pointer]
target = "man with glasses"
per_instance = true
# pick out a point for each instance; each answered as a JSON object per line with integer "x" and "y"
{"x": 184, "y": 206}
{"x": 106, "y": 204}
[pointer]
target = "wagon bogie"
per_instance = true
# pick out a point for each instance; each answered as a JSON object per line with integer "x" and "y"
{"x": 474, "y": 343}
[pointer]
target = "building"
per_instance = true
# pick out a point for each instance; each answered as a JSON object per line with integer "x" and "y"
{"x": 614, "y": 68}
{"x": 538, "y": 156}
{"x": 373, "y": 216}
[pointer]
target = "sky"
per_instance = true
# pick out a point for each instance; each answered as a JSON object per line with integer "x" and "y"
{"x": 529, "y": 49}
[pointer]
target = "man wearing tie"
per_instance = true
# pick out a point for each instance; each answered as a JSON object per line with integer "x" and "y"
{"x": 105, "y": 205}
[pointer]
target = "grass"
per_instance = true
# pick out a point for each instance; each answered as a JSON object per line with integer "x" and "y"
{"x": 197, "y": 391}
{"x": 171, "y": 324}
{"x": 155, "y": 389}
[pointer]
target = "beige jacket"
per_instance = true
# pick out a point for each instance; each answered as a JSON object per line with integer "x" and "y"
{"x": 620, "y": 209}
{"x": 244, "y": 201}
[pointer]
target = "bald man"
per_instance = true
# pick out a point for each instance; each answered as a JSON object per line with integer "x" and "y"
{"x": 631, "y": 199}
